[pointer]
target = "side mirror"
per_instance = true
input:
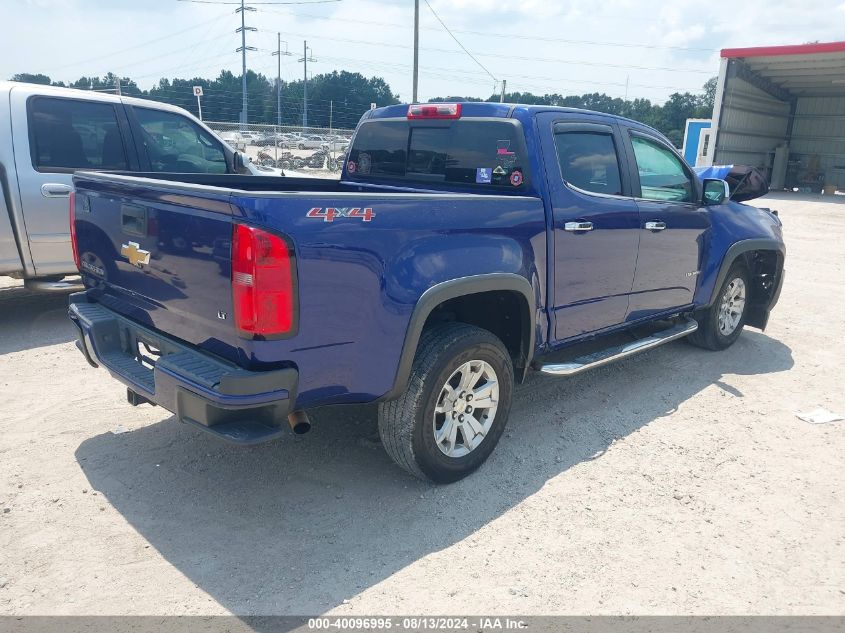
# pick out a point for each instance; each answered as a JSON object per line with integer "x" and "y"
{"x": 716, "y": 191}
{"x": 238, "y": 161}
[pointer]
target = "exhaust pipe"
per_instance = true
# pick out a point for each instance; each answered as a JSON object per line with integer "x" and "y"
{"x": 299, "y": 422}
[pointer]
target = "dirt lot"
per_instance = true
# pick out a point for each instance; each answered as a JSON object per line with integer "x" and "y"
{"x": 675, "y": 482}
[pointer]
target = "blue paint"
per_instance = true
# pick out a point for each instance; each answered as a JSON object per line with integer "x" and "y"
{"x": 358, "y": 283}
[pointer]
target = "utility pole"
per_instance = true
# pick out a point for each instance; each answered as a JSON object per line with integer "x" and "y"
{"x": 306, "y": 59}
{"x": 242, "y": 50}
{"x": 504, "y": 87}
{"x": 416, "y": 49}
{"x": 117, "y": 85}
{"x": 278, "y": 52}
{"x": 331, "y": 114}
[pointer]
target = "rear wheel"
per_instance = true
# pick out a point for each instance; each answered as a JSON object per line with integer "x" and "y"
{"x": 458, "y": 399}
{"x": 721, "y": 324}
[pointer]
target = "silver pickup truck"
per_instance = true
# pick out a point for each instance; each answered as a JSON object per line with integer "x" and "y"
{"x": 47, "y": 133}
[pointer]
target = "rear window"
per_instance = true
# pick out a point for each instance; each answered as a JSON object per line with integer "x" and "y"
{"x": 488, "y": 153}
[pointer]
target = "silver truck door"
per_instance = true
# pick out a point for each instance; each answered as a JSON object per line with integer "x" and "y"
{"x": 53, "y": 136}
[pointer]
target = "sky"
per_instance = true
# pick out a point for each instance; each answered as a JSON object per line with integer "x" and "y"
{"x": 619, "y": 47}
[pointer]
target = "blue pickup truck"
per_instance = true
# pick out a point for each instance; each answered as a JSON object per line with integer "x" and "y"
{"x": 464, "y": 245}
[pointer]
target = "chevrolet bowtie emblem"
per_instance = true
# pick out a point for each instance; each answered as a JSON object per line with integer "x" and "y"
{"x": 136, "y": 255}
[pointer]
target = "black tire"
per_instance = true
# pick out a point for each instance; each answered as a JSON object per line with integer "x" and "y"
{"x": 709, "y": 335}
{"x": 407, "y": 424}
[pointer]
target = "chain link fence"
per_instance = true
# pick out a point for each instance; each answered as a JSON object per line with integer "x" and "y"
{"x": 318, "y": 151}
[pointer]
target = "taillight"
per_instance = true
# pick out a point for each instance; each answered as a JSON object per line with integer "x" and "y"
{"x": 262, "y": 282}
{"x": 74, "y": 245}
{"x": 435, "y": 111}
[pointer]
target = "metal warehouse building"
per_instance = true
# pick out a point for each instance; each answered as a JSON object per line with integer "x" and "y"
{"x": 782, "y": 108}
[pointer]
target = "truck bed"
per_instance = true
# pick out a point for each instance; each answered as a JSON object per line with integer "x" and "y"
{"x": 357, "y": 280}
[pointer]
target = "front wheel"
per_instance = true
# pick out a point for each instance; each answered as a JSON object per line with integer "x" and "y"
{"x": 457, "y": 404}
{"x": 721, "y": 324}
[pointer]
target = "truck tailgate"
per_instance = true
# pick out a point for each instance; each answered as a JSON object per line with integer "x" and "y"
{"x": 160, "y": 254}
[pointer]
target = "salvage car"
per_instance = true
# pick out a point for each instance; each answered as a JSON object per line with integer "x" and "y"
{"x": 464, "y": 246}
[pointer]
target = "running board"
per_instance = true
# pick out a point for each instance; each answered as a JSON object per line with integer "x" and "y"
{"x": 618, "y": 352}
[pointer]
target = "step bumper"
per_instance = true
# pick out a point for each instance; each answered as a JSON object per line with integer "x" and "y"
{"x": 238, "y": 405}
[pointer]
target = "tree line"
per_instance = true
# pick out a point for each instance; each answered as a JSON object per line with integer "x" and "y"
{"x": 338, "y": 99}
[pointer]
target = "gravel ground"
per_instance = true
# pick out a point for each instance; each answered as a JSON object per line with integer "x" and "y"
{"x": 677, "y": 482}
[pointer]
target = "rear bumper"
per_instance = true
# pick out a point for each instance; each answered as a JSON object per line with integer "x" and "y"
{"x": 238, "y": 405}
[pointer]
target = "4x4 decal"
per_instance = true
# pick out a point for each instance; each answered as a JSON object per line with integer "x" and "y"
{"x": 330, "y": 213}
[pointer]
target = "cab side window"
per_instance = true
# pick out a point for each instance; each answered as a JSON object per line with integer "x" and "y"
{"x": 662, "y": 175}
{"x": 588, "y": 161}
{"x": 174, "y": 143}
{"x": 72, "y": 134}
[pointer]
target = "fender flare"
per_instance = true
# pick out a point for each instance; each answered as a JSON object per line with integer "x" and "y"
{"x": 452, "y": 289}
{"x": 745, "y": 246}
{"x": 737, "y": 249}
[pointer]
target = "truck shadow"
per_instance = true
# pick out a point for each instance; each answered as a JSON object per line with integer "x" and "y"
{"x": 299, "y": 526}
{"x": 29, "y": 320}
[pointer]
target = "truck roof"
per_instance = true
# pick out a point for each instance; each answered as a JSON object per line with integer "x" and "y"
{"x": 502, "y": 110}
{"x": 91, "y": 95}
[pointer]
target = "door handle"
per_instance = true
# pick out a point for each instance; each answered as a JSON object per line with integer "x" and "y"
{"x": 655, "y": 225}
{"x": 55, "y": 190}
{"x": 578, "y": 226}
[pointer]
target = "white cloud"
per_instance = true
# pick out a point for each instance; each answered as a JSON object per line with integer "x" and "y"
{"x": 537, "y": 45}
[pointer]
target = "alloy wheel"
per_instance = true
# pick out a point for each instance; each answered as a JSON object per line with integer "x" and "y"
{"x": 466, "y": 408}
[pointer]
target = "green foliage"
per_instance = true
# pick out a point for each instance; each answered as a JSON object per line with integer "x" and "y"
{"x": 33, "y": 79}
{"x": 339, "y": 98}
{"x": 350, "y": 95}
{"x": 709, "y": 88}
{"x": 669, "y": 118}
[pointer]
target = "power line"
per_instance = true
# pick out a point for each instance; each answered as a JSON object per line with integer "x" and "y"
{"x": 483, "y": 67}
{"x": 513, "y": 57}
{"x": 382, "y": 65}
{"x": 516, "y": 36}
{"x": 397, "y": 65}
{"x": 131, "y": 48}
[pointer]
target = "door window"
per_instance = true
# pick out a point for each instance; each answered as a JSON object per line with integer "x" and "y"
{"x": 588, "y": 161}
{"x": 662, "y": 174}
{"x": 70, "y": 134}
{"x": 176, "y": 144}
